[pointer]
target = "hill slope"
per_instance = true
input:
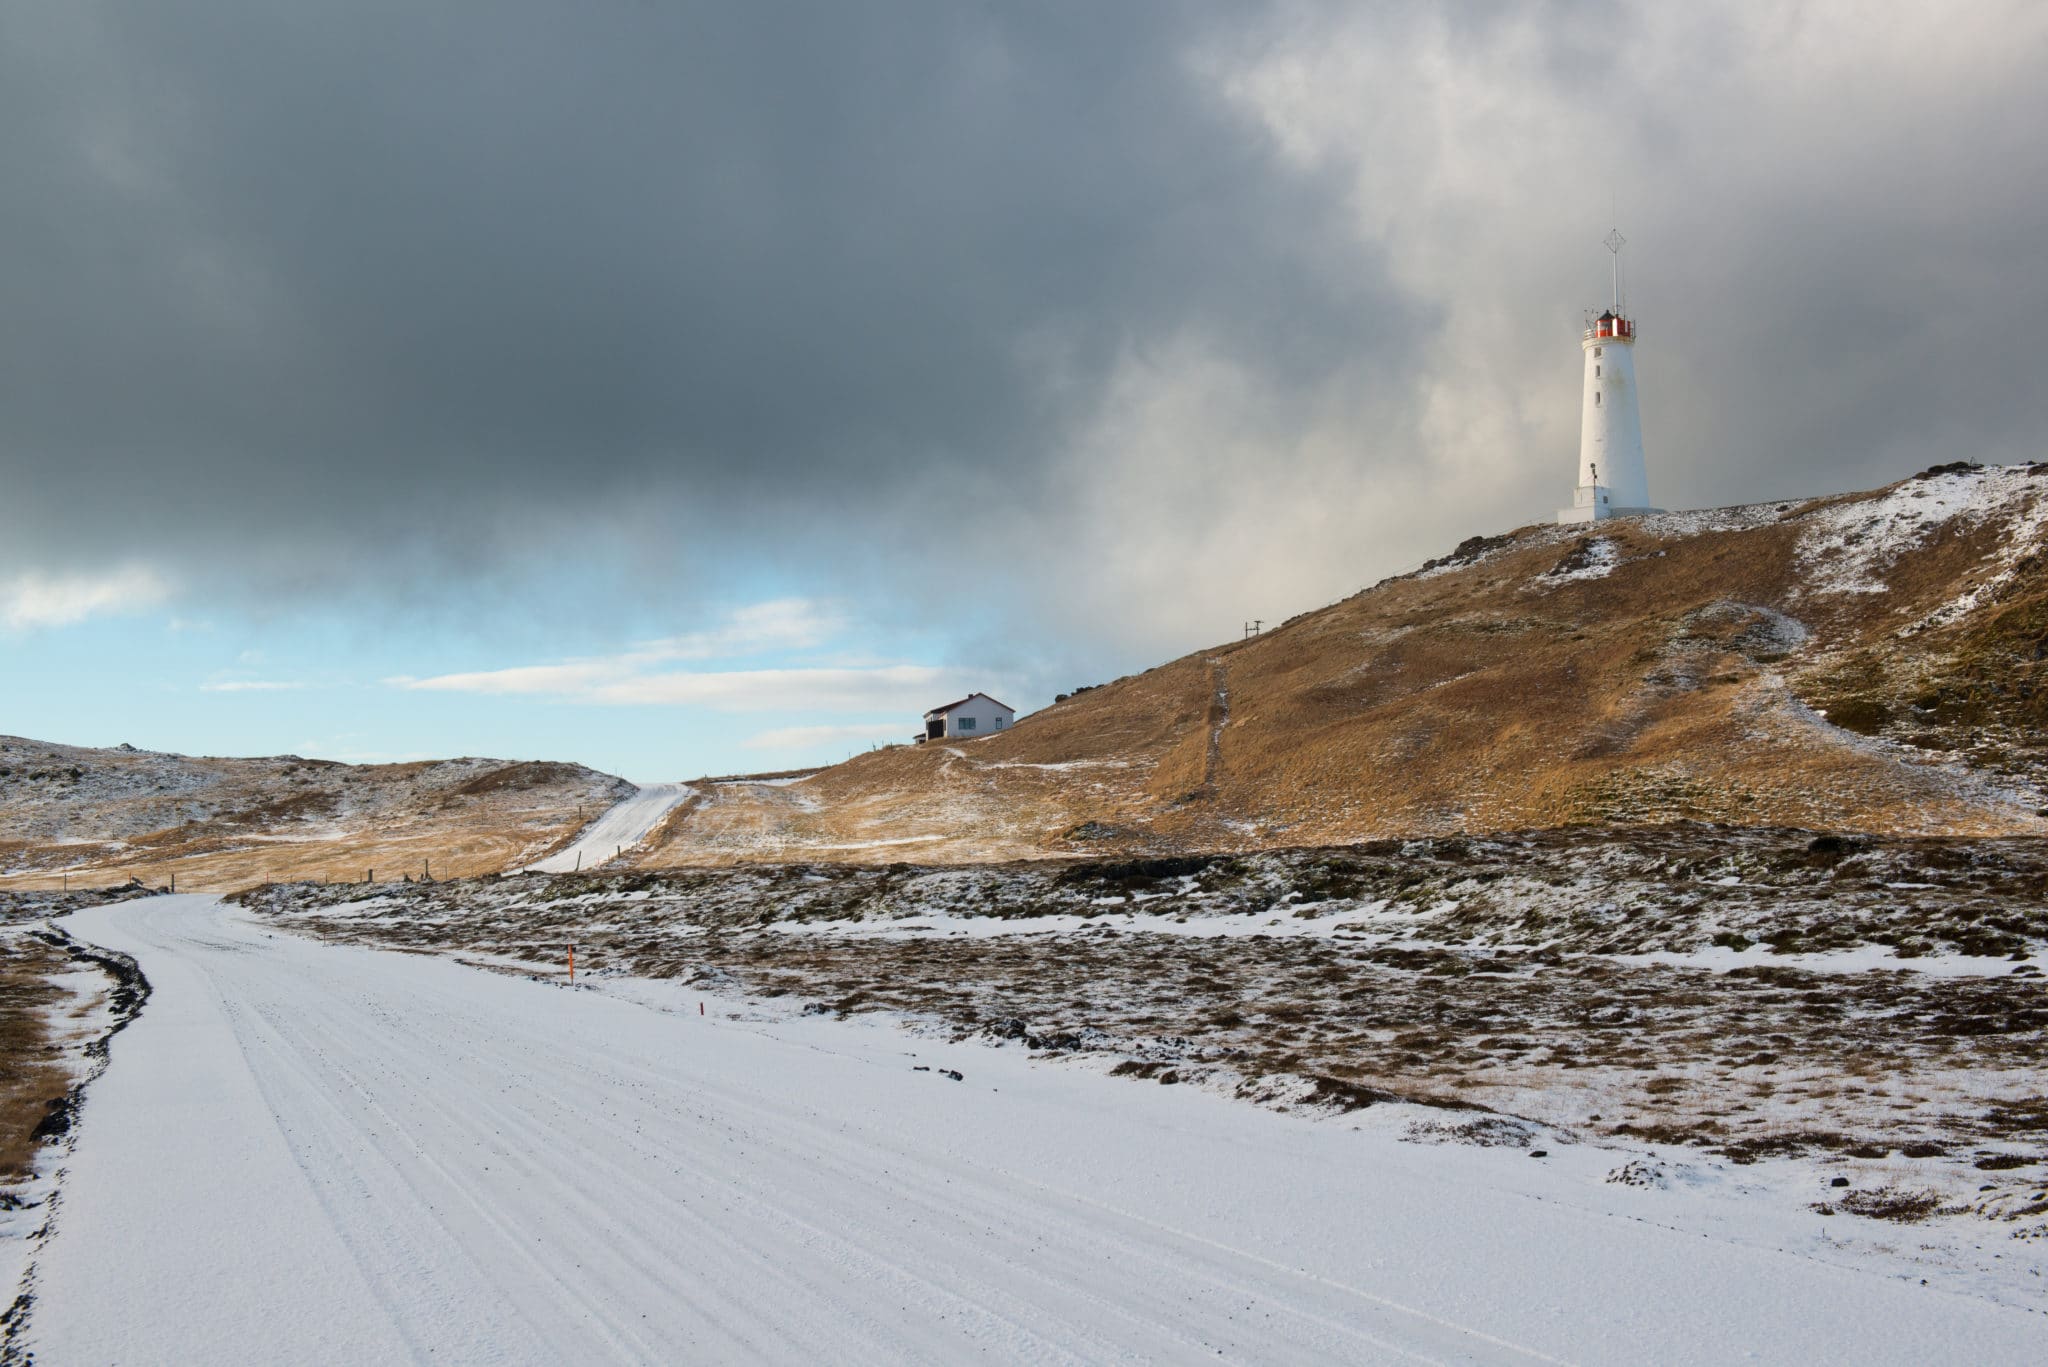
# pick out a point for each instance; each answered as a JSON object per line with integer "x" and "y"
{"x": 1869, "y": 661}
{"x": 104, "y": 816}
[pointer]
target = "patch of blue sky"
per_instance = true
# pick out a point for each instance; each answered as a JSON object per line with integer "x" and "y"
{"x": 774, "y": 683}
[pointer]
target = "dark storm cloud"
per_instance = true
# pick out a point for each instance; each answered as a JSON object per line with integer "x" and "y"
{"x": 382, "y": 282}
{"x": 1220, "y": 310}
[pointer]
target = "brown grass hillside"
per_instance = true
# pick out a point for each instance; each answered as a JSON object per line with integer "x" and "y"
{"x": 1869, "y": 662}
{"x": 98, "y": 817}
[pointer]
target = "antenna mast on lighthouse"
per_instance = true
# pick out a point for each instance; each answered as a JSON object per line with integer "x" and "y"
{"x": 1614, "y": 242}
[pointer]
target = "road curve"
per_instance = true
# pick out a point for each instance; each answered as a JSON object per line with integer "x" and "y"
{"x": 314, "y": 1153}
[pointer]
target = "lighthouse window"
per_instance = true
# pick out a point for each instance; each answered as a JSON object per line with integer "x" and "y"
{"x": 1596, "y": 372}
{"x": 1596, "y": 399}
{"x": 1596, "y": 351}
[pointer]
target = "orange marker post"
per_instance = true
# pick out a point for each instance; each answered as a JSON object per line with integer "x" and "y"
{"x": 572, "y": 963}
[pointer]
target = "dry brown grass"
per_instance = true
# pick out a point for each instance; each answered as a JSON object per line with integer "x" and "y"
{"x": 209, "y": 862}
{"x": 31, "y": 1078}
{"x": 1492, "y": 697}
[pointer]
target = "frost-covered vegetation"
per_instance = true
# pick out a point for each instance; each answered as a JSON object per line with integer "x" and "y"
{"x": 59, "y": 1002}
{"x": 101, "y": 817}
{"x": 1753, "y": 993}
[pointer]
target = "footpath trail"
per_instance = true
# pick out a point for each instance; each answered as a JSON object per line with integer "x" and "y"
{"x": 305, "y": 1152}
{"x": 622, "y": 826}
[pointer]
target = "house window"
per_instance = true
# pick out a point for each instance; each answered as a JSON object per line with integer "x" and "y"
{"x": 966, "y": 723}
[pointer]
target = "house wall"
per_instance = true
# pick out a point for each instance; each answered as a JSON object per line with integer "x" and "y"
{"x": 985, "y": 715}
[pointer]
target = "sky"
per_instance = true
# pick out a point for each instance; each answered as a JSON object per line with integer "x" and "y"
{"x": 691, "y": 388}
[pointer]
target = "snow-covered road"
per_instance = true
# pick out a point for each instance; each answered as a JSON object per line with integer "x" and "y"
{"x": 622, "y": 826}
{"x": 312, "y": 1153}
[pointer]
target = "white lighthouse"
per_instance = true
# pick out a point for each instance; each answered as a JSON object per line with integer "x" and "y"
{"x": 1612, "y": 480}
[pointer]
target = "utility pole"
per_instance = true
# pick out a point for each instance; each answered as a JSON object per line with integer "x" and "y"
{"x": 1253, "y": 627}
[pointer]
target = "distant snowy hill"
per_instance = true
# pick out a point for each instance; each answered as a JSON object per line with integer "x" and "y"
{"x": 105, "y": 815}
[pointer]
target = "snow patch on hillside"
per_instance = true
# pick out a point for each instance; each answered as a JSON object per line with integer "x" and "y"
{"x": 1593, "y": 558}
{"x": 1848, "y": 548}
{"x": 1742, "y": 517}
{"x": 2022, "y": 546}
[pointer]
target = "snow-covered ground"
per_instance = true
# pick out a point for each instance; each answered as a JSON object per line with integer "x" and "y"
{"x": 305, "y": 1152}
{"x": 622, "y": 826}
{"x": 1848, "y": 548}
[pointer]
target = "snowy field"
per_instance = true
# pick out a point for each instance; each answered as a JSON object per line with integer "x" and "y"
{"x": 308, "y": 1152}
{"x": 1874, "y": 1009}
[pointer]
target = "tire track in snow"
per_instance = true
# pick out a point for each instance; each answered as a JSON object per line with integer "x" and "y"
{"x": 998, "y": 1194}
{"x": 598, "y": 1225}
{"x": 1070, "y": 1285}
{"x": 519, "y": 1172}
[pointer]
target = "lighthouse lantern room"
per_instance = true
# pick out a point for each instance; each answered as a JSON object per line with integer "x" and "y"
{"x": 1612, "y": 479}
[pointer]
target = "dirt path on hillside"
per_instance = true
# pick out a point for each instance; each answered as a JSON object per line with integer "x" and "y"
{"x": 1219, "y": 717}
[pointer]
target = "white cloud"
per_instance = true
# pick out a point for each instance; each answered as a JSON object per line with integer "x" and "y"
{"x": 637, "y": 678}
{"x": 619, "y": 681}
{"x": 54, "y": 600}
{"x": 1170, "y": 520}
{"x": 780, "y": 624}
{"x": 352, "y": 747}
{"x": 564, "y": 679}
{"x": 320, "y": 750}
{"x": 819, "y": 737}
{"x": 894, "y": 687}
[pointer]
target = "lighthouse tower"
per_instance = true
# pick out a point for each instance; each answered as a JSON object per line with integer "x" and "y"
{"x": 1612, "y": 480}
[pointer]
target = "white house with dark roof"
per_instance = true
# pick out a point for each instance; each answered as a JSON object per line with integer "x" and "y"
{"x": 977, "y": 714}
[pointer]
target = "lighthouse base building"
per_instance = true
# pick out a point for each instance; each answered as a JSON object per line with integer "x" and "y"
{"x": 1612, "y": 479}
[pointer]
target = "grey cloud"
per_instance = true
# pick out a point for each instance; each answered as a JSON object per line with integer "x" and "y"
{"x": 404, "y": 283}
{"x": 1227, "y": 308}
